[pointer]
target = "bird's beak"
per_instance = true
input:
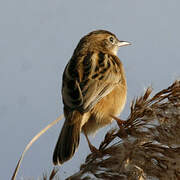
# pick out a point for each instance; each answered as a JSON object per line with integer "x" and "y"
{"x": 123, "y": 43}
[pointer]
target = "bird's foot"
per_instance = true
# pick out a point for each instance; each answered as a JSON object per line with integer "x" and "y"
{"x": 120, "y": 123}
{"x": 93, "y": 149}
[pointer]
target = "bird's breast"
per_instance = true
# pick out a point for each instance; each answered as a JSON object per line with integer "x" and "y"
{"x": 112, "y": 104}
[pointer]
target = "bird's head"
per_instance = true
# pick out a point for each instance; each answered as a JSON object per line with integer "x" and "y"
{"x": 101, "y": 40}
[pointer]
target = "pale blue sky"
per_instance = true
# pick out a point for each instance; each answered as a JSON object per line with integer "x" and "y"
{"x": 37, "y": 38}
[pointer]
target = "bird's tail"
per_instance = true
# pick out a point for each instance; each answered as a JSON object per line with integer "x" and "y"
{"x": 68, "y": 140}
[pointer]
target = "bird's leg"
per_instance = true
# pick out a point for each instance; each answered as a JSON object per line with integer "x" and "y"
{"x": 91, "y": 147}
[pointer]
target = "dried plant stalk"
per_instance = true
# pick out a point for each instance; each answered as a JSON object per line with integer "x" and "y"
{"x": 35, "y": 138}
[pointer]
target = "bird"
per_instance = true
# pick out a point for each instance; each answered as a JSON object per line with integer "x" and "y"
{"x": 94, "y": 90}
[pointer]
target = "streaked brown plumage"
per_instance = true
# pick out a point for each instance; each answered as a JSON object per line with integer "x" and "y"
{"x": 93, "y": 89}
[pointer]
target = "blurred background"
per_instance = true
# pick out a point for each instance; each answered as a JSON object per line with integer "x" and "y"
{"x": 37, "y": 38}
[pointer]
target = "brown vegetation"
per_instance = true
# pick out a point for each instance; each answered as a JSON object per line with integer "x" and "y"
{"x": 146, "y": 147}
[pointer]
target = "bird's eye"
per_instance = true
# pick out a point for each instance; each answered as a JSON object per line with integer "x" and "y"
{"x": 111, "y": 39}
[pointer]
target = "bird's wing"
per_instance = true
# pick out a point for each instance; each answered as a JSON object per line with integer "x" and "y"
{"x": 87, "y": 80}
